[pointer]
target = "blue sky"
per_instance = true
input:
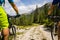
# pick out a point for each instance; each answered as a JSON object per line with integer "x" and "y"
{"x": 25, "y": 6}
{"x": 29, "y": 2}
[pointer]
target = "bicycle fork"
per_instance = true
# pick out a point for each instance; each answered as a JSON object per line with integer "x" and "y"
{"x": 55, "y": 29}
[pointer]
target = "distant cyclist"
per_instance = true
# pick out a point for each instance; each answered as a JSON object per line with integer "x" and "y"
{"x": 3, "y": 17}
{"x": 54, "y": 3}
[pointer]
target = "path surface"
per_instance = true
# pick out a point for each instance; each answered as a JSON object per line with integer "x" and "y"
{"x": 34, "y": 33}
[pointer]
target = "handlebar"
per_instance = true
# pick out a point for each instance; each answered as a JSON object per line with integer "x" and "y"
{"x": 54, "y": 17}
{"x": 8, "y": 16}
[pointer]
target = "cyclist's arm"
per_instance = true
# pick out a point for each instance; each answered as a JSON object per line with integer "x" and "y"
{"x": 13, "y": 5}
{"x": 52, "y": 6}
{"x": 51, "y": 9}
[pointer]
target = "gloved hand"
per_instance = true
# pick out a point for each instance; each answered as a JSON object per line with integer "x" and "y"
{"x": 18, "y": 15}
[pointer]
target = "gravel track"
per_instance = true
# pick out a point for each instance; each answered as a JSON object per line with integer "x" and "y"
{"x": 35, "y": 33}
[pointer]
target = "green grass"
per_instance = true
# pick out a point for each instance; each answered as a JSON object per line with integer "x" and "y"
{"x": 29, "y": 26}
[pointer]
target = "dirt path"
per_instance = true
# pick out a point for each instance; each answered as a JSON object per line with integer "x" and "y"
{"x": 35, "y": 33}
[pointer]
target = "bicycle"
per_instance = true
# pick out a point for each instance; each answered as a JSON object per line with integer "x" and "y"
{"x": 55, "y": 26}
{"x": 12, "y": 30}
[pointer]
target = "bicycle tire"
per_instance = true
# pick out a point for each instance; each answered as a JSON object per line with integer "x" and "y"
{"x": 52, "y": 34}
{"x": 13, "y": 33}
{"x": 13, "y": 29}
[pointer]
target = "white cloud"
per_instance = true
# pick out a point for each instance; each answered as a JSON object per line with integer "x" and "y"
{"x": 29, "y": 8}
{"x": 26, "y": 9}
